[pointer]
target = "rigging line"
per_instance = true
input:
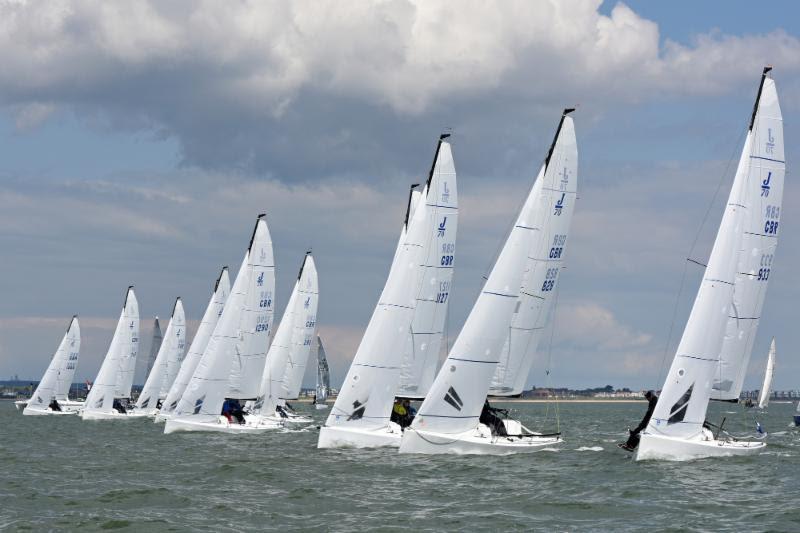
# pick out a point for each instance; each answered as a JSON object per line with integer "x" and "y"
{"x": 660, "y": 377}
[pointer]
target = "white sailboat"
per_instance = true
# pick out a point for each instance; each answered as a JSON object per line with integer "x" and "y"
{"x": 165, "y": 367}
{"x": 112, "y": 387}
{"x": 763, "y": 396}
{"x": 797, "y": 415}
{"x": 361, "y": 415}
{"x": 155, "y": 346}
{"x": 288, "y": 354}
{"x": 449, "y": 420}
{"x": 51, "y": 396}
{"x": 323, "y": 377}
{"x": 424, "y": 340}
{"x": 222, "y": 288}
{"x": 710, "y": 362}
{"x": 240, "y": 340}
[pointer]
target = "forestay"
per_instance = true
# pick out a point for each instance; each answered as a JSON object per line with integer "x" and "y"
{"x": 762, "y": 174}
{"x": 222, "y": 288}
{"x": 681, "y": 408}
{"x": 456, "y": 398}
{"x": 555, "y": 195}
{"x": 365, "y": 400}
{"x": 763, "y": 397}
{"x": 124, "y": 346}
{"x": 423, "y": 343}
{"x": 167, "y": 361}
{"x": 57, "y": 378}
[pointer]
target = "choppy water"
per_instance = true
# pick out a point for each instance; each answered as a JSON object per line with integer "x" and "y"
{"x": 59, "y": 473}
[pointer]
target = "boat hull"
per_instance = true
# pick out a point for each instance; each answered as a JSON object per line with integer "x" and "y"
{"x": 320, "y": 406}
{"x": 28, "y": 411}
{"x": 660, "y": 447}
{"x": 20, "y": 404}
{"x": 67, "y": 406}
{"x": 112, "y": 415}
{"x": 220, "y": 425}
{"x": 338, "y": 437}
{"x": 478, "y": 441}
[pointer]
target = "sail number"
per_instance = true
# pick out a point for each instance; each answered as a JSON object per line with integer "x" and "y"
{"x": 262, "y": 324}
{"x": 448, "y": 249}
{"x": 773, "y": 214}
{"x": 311, "y": 321}
{"x": 558, "y": 246}
{"x": 766, "y": 267}
{"x": 549, "y": 279}
{"x": 266, "y": 299}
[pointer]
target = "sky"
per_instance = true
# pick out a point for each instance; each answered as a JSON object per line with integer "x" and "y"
{"x": 140, "y": 140}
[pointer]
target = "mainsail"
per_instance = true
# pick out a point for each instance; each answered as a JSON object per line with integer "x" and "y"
{"x": 155, "y": 346}
{"x": 423, "y": 343}
{"x": 323, "y": 374}
{"x": 457, "y": 396}
{"x": 707, "y": 355}
{"x": 57, "y": 378}
{"x": 304, "y": 327}
{"x": 123, "y": 348}
{"x": 166, "y": 364}
{"x": 209, "y": 321}
{"x": 555, "y": 192}
{"x": 763, "y": 397}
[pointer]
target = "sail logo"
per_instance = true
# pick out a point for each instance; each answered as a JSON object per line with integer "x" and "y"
{"x": 263, "y": 256}
{"x": 260, "y": 279}
{"x": 452, "y": 397}
{"x": 359, "y": 409}
{"x": 99, "y": 403}
{"x": 442, "y": 227}
{"x": 199, "y": 404}
{"x": 564, "y": 179}
{"x": 445, "y": 193}
{"x": 131, "y": 326}
{"x": 307, "y": 303}
{"x": 769, "y": 146}
{"x": 559, "y": 205}
{"x": 765, "y": 185}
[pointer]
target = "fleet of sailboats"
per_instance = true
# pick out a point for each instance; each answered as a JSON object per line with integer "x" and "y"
{"x": 237, "y": 374}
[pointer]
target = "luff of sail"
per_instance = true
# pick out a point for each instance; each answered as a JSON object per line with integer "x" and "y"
{"x": 762, "y": 200}
{"x": 436, "y": 276}
{"x": 222, "y": 288}
{"x": 555, "y": 192}
{"x": 159, "y": 380}
{"x": 763, "y": 396}
{"x": 365, "y": 399}
{"x": 123, "y": 344}
{"x": 55, "y": 381}
{"x": 682, "y": 405}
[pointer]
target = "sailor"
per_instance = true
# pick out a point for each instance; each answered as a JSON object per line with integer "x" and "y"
{"x": 410, "y": 413}
{"x": 489, "y": 418}
{"x": 633, "y": 439}
{"x": 236, "y": 410}
{"x": 117, "y": 405}
{"x": 226, "y": 410}
{"x": 399, "y": 413}
{"x": 54, "y": 405}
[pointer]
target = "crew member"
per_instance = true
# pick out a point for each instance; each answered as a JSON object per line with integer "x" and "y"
{"x": 633, "y": 439}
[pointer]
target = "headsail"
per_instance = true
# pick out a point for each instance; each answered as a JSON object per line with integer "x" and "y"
{"x": 209, "y": 321}
{"x": 58, "y": 377}
{"x": 323, "y": 374}
{"x": 165, "y": 367}
{"x": 123, "y": 348}
{"x": 437, "y": 259}
{"x": 707, "y": 356}
{"x": 555, "y": 194}
{"x": 763, "y": 397}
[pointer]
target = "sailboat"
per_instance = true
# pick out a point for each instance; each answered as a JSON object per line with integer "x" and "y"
{"x": 288, "y": 354}
{"x": 112, "y": 387}
{"x": 51, "y": 395}
{"x": 450, "y": 419}
{"x": 797, "y": 415}
{"x": 361, "y": 415}
{"x": 222, "y": 288}
{"x": 763, "y": 396}
{"x": 166, "y": 364}
{"x": 230, "y": 370}
{"x": 715, "y": 347}
{"x": 155, "y": 346}
{"x": 323, "y": 377}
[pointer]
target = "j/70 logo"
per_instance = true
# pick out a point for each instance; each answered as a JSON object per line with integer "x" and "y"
{"x": 765, "y": 185}
{"x": 559, "y": 205}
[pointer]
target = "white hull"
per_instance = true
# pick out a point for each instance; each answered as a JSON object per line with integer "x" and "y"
{"x": 161, "y": 417}
{"x": 152, "y": 413}
{"x": 20, "y": 404}
{"x": 40, "y": 412}
{"x": 66, "y": 405}
{"x": 109, "y": 415}
{"x": 478, "y": 441}
{"x": 339, "y": 437}
{"x": 221, "y": 425}
{"x": 705, "y": 445}
{"x": 320, "y": 406}
{"x": 296, "y": 419}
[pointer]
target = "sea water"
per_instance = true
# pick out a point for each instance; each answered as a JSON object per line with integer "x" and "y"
{"x": 60, "y": 473}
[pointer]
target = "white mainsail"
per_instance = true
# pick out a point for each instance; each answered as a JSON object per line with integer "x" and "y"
{"x": 209, "y": 321}
{"x": 424, "y": 340}
{"x": 707, "y": 356}
{"x": 293, "y": 338}
{"x": 155, "y": 346}
{"x": 210, "y": 384}
{"x": 763, "y": 397}
{"x": 459, "y": 391}
{"x": 257, "y": 315}
{"x": 365, "y": 399}
{"x": 555, "y": 193}
{"x": 323, "y": 375}
{"x": 165, "y": 367}
{"x": 58, "y": 377}
{"x": 123, "y": 348}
